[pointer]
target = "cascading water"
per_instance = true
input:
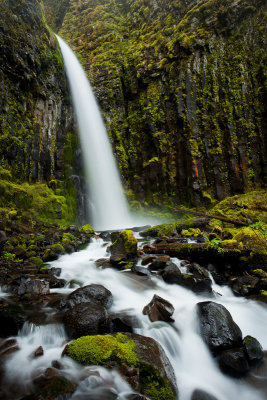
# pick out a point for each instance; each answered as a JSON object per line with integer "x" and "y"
{"x": 193, "y": 364}
{"x": 109, "y": 205}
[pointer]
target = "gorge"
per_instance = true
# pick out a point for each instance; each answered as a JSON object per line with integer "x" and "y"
{"x": 175, "y": 311}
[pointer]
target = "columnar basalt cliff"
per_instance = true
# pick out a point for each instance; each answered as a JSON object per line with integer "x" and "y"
{"x": 180, "y": 84}
{"x": 38, "y": 137}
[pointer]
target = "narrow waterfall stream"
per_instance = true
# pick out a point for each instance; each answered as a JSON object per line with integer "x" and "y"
{"x": 192, "y": 362}
{"x": 108, "y": 201}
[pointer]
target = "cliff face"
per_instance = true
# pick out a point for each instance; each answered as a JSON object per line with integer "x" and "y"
{"x": 36, "y": 109}
{"x": 180, "y": 84}
{"x": 38, "y": 139}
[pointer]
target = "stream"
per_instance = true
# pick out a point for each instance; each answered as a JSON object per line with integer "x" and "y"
{"x": 192, "y": 362}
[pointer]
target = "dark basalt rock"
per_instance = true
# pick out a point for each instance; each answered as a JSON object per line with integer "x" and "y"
{"x": 253, "y": 350}
{"x": 123, "y": 247}
{"x": 53, "y": 386}
{"x": 159, "y": 309}
{"x": 195, "y": 268}
{"x": 159, "y": 263}
{"x": 150, "y": 352}
{"x": 233, "y": 362}
{"x": 33, "y": 286}
{"x": 85, "y": 319}
{"x": 201, "y": 395}
{"x": 136, "y": 269}
{"x": 91, "y": 293}
{"x": 148, "y": 259}
{"x": 245, "y": 285}
{"x": 122, "y": 322}
{"x": 217, "y": 327}
{"x": 196, "y": 283}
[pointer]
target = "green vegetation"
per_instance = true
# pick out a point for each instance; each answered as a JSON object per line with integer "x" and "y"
{"x": 100, "y": 350}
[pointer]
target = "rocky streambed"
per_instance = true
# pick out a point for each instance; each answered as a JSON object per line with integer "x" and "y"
{"x": 125, "y": 318}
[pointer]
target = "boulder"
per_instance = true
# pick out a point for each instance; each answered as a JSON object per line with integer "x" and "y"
{"x": 123, "y": 247}
{"x": 85, "y": 319}
{"x": 195, "y": 268}
{"x": 90, "y": 293}
{"x": 33, "y": 286}
{"x": 245, "y": 285}
{"x": 148, "y": 259}
{"x": 202, "y": 395}
{"x": 253, "y": 350}
{"x": 52, "y": 386}
{"x": 142, "y": 271}
{"x": 159, "y": 263}
{"x": 159, "y": 309}
{"x": 217, "y": 327}
{"x": 122, "y": 322}
{"x": 233, "y": 362}
{"x": 196, "y": 283}
{"x": 130, "y": 352}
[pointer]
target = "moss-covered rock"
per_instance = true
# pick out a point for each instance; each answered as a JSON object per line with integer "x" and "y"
{"x": 123, "y": 247}
{"x": 86, "y": 228}
{"x": 155, "y": 373}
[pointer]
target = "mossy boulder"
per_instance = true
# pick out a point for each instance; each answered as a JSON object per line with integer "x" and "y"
{"x": 155, "y": 372}
{"x": 123, "y": 247}
{"x": 87, "y": 228}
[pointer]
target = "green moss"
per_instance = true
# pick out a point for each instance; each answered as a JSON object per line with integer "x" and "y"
{"x": 36, "y": 260}
{"x": 100, "y": 350}
{"x": 252, "y": 240}
{"x": 263, "y": 292}
{"x": 161, "y": 230}
{"x": 86, "y": 228}
{"x": 192, "y": 232}
{"x": 130, "y": 242}
{"x": 153, "y": 384}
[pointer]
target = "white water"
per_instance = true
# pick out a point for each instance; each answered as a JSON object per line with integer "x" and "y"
{"x": 193, "y": 365}
{"x": 109, "y": 205}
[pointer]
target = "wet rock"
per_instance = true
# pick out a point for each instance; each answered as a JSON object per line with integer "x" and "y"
{"x": 90, "y": 293}
{"x": 12, "y": 319}
{"x": 217, "y": 327}
{"x": 195, "y": 268}
{"x": 103, "y": 263}
{"x": 196, "y": 283}
{"x": 55, "y": 283}
{"x": 123, "y": 247}
{"x": 150, "y": 352}
{"x": 122, "y": 322}
{"x": 245, "y": 285}
{"x": 159, "y": 263}
{"x": 54, "y": 387}
{"x": 253, "y": 350}
{"x": 159, "y": 309}
{"x": 85, "y": 319}
{"x": 135, "y": 396}
{"x": 201, "y": 395}
{"x": 33, "y": 286}
{"x": 142, "y": 271}
{"x": 233, "y": 362}
{"x": 8, "y": 347}
{"x": 39, "y": 352}
{"x": 56, "y": 364}
{"x": 131, "y": 375}
{"x": 54, "y": 271}
{"x": 148, "y": 259}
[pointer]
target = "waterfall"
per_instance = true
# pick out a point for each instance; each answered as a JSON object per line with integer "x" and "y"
{"x": 110, "y": 210}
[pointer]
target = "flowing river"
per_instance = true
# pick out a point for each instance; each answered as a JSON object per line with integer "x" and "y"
{"x": 193, "y": 364}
